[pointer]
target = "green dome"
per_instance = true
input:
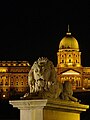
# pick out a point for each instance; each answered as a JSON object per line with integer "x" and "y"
{"x": 69, "y": 42}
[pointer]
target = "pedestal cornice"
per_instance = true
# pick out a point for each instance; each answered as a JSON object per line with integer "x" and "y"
{"x": 66, "y": 105}
{"x": 28, "y": 104}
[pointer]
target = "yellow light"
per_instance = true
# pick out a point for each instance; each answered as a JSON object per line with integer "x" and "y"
{"x": 3, "y": 64}
{"x": 24, "y": 64}
{"x": 69, "y": 63}
{"x": 28, "y": 64}
{"x": 83, "y": 88}
{"x": 4, "y": 96}
{"x": 78, "y": 65}
{"x": 9, "y": 64}
{"x": 14, "y": 64}
{"x": 70, "y": 72}
{"x": 3, "y": 69}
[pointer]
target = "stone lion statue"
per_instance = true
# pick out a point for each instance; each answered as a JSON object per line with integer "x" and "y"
{"x": 43, "y": 83}
{"x": 67, "y": 92}
{"x": 42, "y": 79}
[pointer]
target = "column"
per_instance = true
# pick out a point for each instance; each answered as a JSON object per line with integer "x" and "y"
{"x": 30, "y": 109}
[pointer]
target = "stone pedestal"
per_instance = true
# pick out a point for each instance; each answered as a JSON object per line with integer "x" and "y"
{"x": 30, "y": 109}
{"x": 49, "y": 109}
{"x": 63, "y": 110}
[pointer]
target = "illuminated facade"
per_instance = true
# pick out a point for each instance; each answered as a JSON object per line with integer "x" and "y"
{"x": 69, "y": 63}
{"x": 13, "y": 78}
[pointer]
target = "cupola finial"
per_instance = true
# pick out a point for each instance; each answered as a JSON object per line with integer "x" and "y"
{"x": 68, "y": 27}
{"x": 68, "y": 33}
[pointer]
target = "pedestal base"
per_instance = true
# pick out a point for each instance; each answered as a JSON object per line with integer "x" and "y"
{"x": 49, "y": 109}
{"x": 60, "y": 115}
{"x": 63, "y": 110}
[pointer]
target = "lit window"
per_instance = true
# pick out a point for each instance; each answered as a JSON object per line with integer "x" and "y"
{"x": 1, "y": 83}
{"x": 6, "y": 83}
{"x": 6, "y": 89}
{"x": 22, "y": 83}
{"x": 16, "y": 89}
{"x": 11, "y": 83}
{"x": 69, "y": 60}
{"x": 62, "y": 61}
{"x": 16, "y": 83}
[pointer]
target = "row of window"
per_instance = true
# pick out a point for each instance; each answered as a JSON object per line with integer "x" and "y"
{"x": 6, "y": 83}
{"x": 12, "y": 83}
{"x": 17, "y": 83}
{"x": 73, "y": 78}
{"x": 4, "y": 77}
{"x": 1, "y": 90}
{"x": 69, "y": 61}
{"x": 13, "y": 64}
{"x": 69, "y": 55}
{"x": 25, "y": 76}
{"x": 14, "y": 76}
{"x": 17, "y": 89}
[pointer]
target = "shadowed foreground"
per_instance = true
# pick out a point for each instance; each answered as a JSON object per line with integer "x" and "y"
{"x": 7, "y": 112}
{"x": 85, "y": 99}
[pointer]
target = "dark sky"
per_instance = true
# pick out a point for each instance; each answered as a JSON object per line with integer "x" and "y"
{"x": 29, "y": 30}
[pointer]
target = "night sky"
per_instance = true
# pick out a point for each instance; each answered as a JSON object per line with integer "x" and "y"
{"x": 29, "y": 30}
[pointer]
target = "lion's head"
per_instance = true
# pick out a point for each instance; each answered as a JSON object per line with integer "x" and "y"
{"x": 41, "y": 75}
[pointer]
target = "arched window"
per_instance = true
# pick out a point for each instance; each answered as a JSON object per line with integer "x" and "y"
{"x": 62, "y": 61}
{"x": 69, "y": 60}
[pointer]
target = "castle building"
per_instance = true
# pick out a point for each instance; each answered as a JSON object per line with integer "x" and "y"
{"x": 69, "y": 64}
{"x": 13, "y": 78}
